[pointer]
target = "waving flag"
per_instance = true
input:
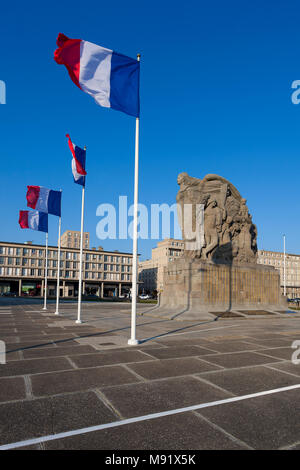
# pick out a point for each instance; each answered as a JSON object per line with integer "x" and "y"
{"x": 44, "y": 200}
{"x": 34, "y": 220}
{"x": 112, "y": 79}
{"x": 78, "y": 162}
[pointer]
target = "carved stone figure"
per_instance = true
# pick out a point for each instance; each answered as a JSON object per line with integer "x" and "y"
{"x": 229, "y": 234}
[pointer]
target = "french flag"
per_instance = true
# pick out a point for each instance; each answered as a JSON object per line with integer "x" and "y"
{"x": 112, "y": 79}
{"x": 34, "y": 220}
{"x": 44, "y": 200}
{"x": 78, "y": 162}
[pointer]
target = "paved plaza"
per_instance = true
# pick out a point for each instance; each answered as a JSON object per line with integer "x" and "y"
{"x": 61, "y": 377}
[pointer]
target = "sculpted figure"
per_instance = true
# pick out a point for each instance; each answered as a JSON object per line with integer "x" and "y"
{"x": 229, "y": 234}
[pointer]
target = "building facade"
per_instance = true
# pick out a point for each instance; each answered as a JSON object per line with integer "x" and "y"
{"x": 292, "y": 270}
{"x": 22, "y": 270}
{"x": 71, "y": 239}
{"x": 151, "y": 271}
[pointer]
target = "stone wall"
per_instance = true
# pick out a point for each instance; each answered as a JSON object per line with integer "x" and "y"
{"x": 195, "y": 285}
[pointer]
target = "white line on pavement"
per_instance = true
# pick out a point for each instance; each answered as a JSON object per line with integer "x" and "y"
{"x": 115, "y": 424}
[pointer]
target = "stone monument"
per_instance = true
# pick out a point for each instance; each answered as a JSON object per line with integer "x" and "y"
{"x": 218, "y": 271}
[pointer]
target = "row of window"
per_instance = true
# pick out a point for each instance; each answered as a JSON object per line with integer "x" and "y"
{"x": 10, "y": 251}
{"x": 63, "y": 264}
{"x": 64, "y": 274}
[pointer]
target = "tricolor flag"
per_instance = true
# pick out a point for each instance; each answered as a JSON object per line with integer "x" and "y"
{"x": 78, "y": 162}
{"x": 44, "y": 200}
{"x": 112, "y": 79}
{"x": 34, "y": 220}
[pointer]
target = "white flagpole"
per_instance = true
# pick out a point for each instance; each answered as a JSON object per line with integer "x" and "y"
{"x": 58, "y": 268}
{"x": 284, "y": 268}
{"x": 81, "y": 256}
{"x": 133, "y": 341}
{"x": 46, "y": 274}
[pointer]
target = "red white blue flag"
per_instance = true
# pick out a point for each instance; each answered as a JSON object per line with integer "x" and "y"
{"x": 112, "y": 79}
{"x": 78, "y": 162}
{"x": 34, "y": 220}
{"x": 44, "y": 200}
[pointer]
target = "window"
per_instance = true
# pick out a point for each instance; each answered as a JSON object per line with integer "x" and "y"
{"x": 32, "y": 272}
{"x": 18, "y": 251}
{"x": 2, "y": 250}
{"x": 24, "y": 261}
{"x": 25, "y": 251}
{"x": 1, "y": 260}
{"x": 10, "y": 261}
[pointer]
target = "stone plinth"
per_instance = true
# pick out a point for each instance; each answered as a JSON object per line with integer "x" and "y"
{"x": 192, "y": 288}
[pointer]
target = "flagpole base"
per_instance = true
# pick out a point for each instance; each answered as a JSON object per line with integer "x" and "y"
{"x": 56, "y": 313}
{"x": 44, "y": 308}
{"x": 133, "y": 342}
{"x": 78, "y": 321}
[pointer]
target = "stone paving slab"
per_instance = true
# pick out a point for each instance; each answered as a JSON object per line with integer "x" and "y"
{"x": 184, "y": 432}
{"x": 280, "y": 353}
{"x": 62, "y": 351}
{"x": 80, "y": 379}
{"x": 109, "y": 358}
{"x": 241, "y": 359}
{"x": 29, "y": 419}
{"x": 268, "y": 422}
{"x": 34, "y": 366}
{"x": 12, "y": 389}
{"x": 179, "y": 351}
{"x": 250, "y": 379}
{"x": 161, "y": 395}
{"x": 287, "y": 367}
{"x": 171, "y": 368}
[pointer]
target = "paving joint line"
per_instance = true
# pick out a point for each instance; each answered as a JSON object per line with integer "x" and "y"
{"x": 226, "y": 433}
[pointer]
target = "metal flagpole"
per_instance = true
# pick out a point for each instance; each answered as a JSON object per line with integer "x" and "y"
{"x": 58, "y": 267}
{"x": 133, "y": 341}
{"x": 46, "y": 274}
{"x": 81, "y": 256}
{"x": 284, "y": 268}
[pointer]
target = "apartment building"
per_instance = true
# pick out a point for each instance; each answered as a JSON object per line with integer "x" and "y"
{"x": 151, "y": 270}
{"x": 71, "y": 239}
{"x": 22, "y": 270}
{"x": 292, "y": 269}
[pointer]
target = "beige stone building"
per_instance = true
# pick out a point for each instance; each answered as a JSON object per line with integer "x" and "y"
{"x": 71, "y": 239}
{"x": 22, "y": 270}
{"x": 151, "y": 270}
{"x": 292, "y": 269}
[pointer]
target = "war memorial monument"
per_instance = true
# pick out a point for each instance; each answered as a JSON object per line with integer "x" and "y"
{"x": 218, "y": 271}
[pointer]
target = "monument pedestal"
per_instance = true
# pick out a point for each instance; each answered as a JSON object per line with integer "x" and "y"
{"x": 193, "y": 288}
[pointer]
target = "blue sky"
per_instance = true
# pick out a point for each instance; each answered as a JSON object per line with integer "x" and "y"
{"x": 215, "y": 98}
